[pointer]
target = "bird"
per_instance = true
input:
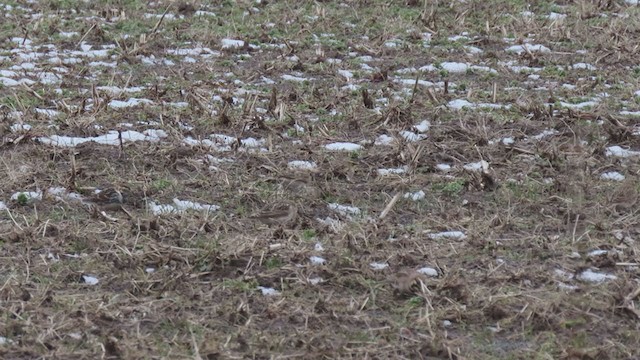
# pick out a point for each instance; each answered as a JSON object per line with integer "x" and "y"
{"x": 277, "y": 217}
{"x": 106, "y": 199}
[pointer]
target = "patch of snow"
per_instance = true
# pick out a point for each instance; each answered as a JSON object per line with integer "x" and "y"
{"x": 20, "y": 127}
{"x": 544, "y": 134}
{"x": 429, "y": 271}
{"x": 394, "y": 171}
{"x": 111, "y": 138}
{"x": 302, "y": 165}
{"x": 595, "y": 277}
{"x": 317, "y": 260}
{"x": 131, "y": 102}
{"x": 343, "y": 146}
{"x": 384, "y": 140}
{"x": 267, "y": 291}
{"x": 378, "y": 266}
{"x": 519, "y": 49}
{"x": 418, "y": 195}
{"x": 232, "y": 43}
{"x": 344, "y": 209}
{"x": 443, "y": 167}
{"x": 612, "y": 175}
{"x": 556, "y": 16}
{"x": 30, "y": 196}
{"x": 456, "y": 235}
{"x": 620, "y": 152}
{"x": 180, "y": 206}
{"x": 422, "y": 127}
{"x": 90, "y": 280}
{"x": 583, "y": 66}
{"x": 411, "y": 136}
{"x": 294, "y": 78}
{"x": 579, "y": 105}
{"x": 594, "y": 253}
{"x": 346, "y": 74}
{"x": 460, "y": 104}
{"x": 481, "y": 165}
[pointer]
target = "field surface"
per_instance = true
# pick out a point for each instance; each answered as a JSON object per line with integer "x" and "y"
{"x": 319, "y": 179}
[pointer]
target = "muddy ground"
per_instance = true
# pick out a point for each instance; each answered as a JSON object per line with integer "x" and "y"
{"x": 331, "y": 179}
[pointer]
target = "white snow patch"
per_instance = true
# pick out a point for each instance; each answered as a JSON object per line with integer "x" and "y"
{"x": 481, "y": 165}
{"x": 595, "y": 277}
{"x": 418, "y": 195}
{"x": 429, "y": 271}
{"x": 231, "y": 43}
{"x": 30, "y": 196}
{"x": 422, "y": 127}
{"x": 556, "y": 16}
{"x": 111, "y": 138}
{"x": 378, "y": 266}
{"x": 460, "y": 104}
{"x": 180, "y": 206}
{"x": 612, "y": 175}
{"x": 90, "y": 280}
{"x": 393, "y": 171}
{"x": 302, "y": 165}
{"x": 384, "y": 140}
{"x": 344, "y": 209}
{"x": 131, "y": 102}
{"x": 20, "y": 127}
{"x": 294, "y": 78}
{"x": 267, "y": 291}
{"x": 343, "y": 146}
{"x": 519, "y": 49}
{"x": 594, "y": 253}
{"x": 456, "y": 235}
{"x": 579, "y": 105}
{"x": 620, "y": 152}
{"x": 411, "y": 136}
{"x": 317, "y": 260}
{"x": 544, "y": 134}
{"x": 346, "y": 74}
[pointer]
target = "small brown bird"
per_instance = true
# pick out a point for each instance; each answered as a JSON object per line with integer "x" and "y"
{"x": 106, "y": 199}
{"x": 278, "y": 217}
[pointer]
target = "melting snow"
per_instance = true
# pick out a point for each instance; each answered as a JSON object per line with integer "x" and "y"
{"x": 612, "y": 175}
{"x": 90, "y": 280}
{"x": 317, "y": 260}
{"x": 344, "y": 209}
{"x": 303, "y": 165}
{"x": 111, "y": 138}
{"x": 384, "y": 140}
{"x": 429, "y": 271}
{"x": 343, "y": 146}
{"x": 378, "y": 266}
{"x": 180, "y": 206}
{"x": 231, "y": 43}
{"x": 117, "y": 104}
{"x": 28, "y": 195}
{"x": 267, "y": 291}
{"x": 394, "y": 171}
{"x": 595, "y": 277}
{"x": 457, "y": 235}
{"x": 477, "y": 166}
{"x": 519, "y": 49}
{"x": 620, "y": 152}
{"x": 419, "y": 195}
